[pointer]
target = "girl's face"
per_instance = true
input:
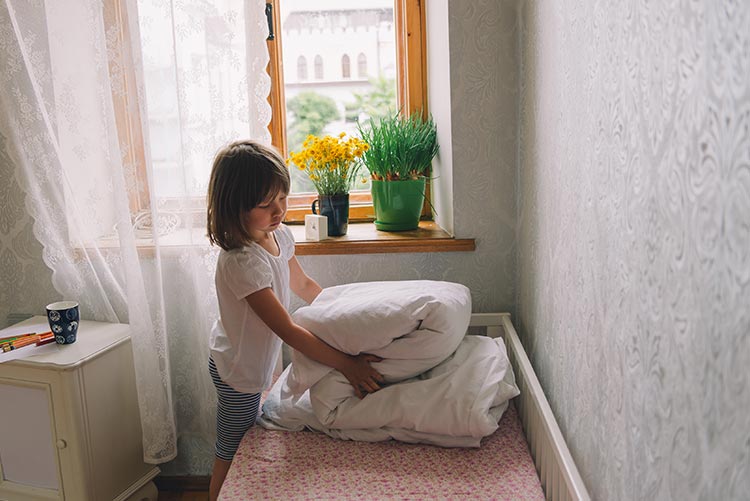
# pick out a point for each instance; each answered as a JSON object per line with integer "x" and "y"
{"x": 267, "y": 216}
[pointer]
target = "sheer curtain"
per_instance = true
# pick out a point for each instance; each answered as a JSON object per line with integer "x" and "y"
{"x": 111, "y": 111}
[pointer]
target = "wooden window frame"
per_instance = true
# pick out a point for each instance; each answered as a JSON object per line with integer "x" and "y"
{"x": 411, "y": 60}
{"x": 126, "y": 109}
{"x": 362, "y": 239}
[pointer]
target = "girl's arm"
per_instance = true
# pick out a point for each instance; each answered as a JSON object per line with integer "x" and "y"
{"x": 356, "y": 369}
{"x": 302, "y": 285}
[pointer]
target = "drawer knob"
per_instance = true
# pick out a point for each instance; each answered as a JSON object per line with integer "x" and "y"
{"x": 61, "y": 444}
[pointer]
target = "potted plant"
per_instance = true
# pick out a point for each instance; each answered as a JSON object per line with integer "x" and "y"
{"x": 399, "y": 158}
{"x": 332, "y": 164}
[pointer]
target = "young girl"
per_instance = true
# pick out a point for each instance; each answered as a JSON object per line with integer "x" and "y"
{"x": 247, "y": 201}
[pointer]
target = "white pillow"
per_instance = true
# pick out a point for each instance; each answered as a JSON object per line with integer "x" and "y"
{"x": 413, "y": 325}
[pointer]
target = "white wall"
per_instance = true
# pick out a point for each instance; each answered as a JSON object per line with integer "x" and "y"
{"x": 634, "y": 250}
{"x": 439, "y": 98}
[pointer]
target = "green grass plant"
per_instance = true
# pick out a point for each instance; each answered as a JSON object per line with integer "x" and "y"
{"x": 400, "y": 147}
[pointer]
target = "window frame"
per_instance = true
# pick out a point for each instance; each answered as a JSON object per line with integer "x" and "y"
{"x": 363, "y": 239}
{"x": 125, "y": 106}
{"x": 411, "y": 61}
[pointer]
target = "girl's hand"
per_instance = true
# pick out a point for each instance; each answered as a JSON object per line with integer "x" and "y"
{"x": 361, "y": 375}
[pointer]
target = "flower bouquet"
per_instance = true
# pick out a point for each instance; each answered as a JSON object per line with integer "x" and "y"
{"x": 332, "y": 164}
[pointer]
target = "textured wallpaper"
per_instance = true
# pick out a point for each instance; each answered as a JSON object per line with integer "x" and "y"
{"x": 634, "y": 239}
{"x": 25, "y": 281}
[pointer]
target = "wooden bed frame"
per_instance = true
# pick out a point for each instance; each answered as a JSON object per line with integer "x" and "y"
{"x": 557, "y": 471}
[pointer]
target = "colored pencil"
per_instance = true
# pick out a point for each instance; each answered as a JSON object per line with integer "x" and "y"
{"x": 7, "y": 340}
{"x": 6, "y": 345}
{"x": 25, "y": 341}
{"x": 35, "y": 339}
{"x": 20, "y": 343}
{"x": 13, "y": 338}
{"x": 45, "y": 339}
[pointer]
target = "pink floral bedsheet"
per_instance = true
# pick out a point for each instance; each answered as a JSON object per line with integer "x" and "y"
{"x": 306, "y": 465}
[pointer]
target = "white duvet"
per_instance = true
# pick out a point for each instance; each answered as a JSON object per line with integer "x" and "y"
{"x": 445, "y": 388}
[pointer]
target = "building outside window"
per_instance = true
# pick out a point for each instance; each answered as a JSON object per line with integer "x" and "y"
{"x": 319, "y": 30}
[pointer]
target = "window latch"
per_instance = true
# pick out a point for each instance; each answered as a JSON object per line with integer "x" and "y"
{"x": 269, "y": 18}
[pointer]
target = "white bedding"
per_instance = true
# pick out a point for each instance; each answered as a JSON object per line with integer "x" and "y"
{"x": 445, "y": 388}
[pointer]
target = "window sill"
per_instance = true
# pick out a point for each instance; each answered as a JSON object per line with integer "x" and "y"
{"x": 361, "y": 238}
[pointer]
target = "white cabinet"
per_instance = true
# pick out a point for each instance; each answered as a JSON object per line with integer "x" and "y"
{"x": 69, "y": 422}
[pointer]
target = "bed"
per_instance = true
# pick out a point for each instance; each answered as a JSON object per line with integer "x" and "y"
{"x": 524, "y": 458}
{"x": 309, "y": 465}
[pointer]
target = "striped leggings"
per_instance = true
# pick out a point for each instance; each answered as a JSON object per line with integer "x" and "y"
{"x": 235, "y": 414}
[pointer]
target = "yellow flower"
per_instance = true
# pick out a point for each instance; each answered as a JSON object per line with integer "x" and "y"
{"x": 330, "y": 162}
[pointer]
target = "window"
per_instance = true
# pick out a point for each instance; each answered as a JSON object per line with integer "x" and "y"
{"x": 407, "y": 69}
{"x": 302, "y": 68}
{"x": 361, "y": 66}
{"x": 397, "y": 66}
{"x": 345, "y": 72}
{"x": 126, "y": 114}
{"x": 318, "y": 68}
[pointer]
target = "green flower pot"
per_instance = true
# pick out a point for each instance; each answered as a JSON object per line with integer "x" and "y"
{"x": 398, "y": 204}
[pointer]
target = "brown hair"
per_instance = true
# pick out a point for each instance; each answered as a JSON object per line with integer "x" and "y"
{"x": 244, "y": 175}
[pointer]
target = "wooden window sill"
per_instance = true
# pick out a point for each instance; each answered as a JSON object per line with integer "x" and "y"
{"x": 363, "y": 238}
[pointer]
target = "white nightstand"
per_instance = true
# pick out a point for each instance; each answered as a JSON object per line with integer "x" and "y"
{"x": 69, "y": 422}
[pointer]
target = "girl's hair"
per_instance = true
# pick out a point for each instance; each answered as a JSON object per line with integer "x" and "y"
{"x": 244, "y": 175}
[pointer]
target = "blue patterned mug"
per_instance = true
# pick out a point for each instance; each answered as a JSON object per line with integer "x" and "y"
{"x": 336, "y": 209}
{"x": 63, "y": 320}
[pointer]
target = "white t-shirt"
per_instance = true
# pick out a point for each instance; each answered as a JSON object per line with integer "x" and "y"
{"x": 244, "y": 349}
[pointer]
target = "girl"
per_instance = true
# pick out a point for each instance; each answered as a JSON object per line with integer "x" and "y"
{"x": 247, "y": 201}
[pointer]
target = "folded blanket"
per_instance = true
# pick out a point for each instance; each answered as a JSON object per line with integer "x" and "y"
{"x": 447, "y": 388}
{"x": 413, "y": 325}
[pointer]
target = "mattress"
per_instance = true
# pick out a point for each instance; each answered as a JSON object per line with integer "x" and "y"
{"x": 310, "y": 465}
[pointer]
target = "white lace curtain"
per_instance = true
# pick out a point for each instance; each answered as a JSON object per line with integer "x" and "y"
{"x": 111, "y": 112}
